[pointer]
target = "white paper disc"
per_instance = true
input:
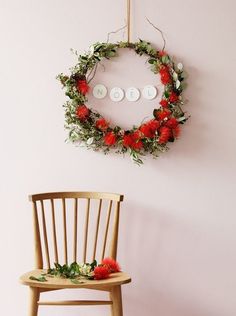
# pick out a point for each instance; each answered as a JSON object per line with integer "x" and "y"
{"x": 117, "y": 94}
{"x": 99, "y": 91}
{"x": 149, "y": 92}
{"x": 132, "y": 94}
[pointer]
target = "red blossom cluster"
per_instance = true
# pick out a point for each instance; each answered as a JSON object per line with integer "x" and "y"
{"x": 110, "y": 139}
{"x": 149, "y": 129}
{"x": 82, "y": 86}
{"x": 133, "y": 140}
{"x": 173, "y": 98}
{"x": 107, "y": 267}
{"x": 165, "y": 75}
{"x": 82, "y": 112}
{"x": 102, "y": 124}
{"x": 166, "y": 126}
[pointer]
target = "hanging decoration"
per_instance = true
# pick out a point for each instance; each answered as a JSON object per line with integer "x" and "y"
{"x": 89, "y": 128}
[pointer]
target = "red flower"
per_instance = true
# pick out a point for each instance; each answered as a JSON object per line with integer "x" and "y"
{"x": 102, "y": 124}
{"x": 111, "y": 264}
{"x": 127, "y": 140}
{"x": 161, "y": 115}
{"x": 154, "y": 125}
{"x": 172, "y": 123}
{"x": 148, "y": 129}
{"x": 101, "y": 272}
{"x": 173, "y": 97}
{"x": 165, "y": 134}
{"x": 133, "y": 140}
{"x": 162, "y": 53}
{"x": 82, "y": 112}
{"x": 82, "y": 86}
{"x": 164, "y": 103}
{"x": 137, "y": 145}
{"x": 165, "y": 75}
{"x": 110, "y": 139}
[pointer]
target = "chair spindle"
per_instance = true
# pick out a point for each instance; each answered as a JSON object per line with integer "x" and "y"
{"x": 45, "y": 234}
{"x": 86, "y": 229}
{"x": 107, "y": 227}
{"x": 37, "y": 237}
{"x": 54, "y": 231}
{"x": 75, "y": 228}
{"x": 97, "y": 228}
{"x": 65, "y": 230}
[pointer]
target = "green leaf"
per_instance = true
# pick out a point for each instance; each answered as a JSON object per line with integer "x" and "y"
{"x": 152, "y": 61}
{"x": 39, "y": 279}
{"x": 76, "y": 281}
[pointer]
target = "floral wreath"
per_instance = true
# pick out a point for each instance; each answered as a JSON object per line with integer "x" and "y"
{"x": 86, "y": 126}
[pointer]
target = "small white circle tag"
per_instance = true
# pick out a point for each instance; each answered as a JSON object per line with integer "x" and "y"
{"x": 132, "y": 94}
{"x": 99, "y": 91}
{"x": 149, "y": 92}
{"x": 116, "y": 94}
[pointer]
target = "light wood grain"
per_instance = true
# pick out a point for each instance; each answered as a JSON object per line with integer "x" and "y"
{"x": 71, "y": 303}
{"x": 106, "y": 230}
{"x": 83, "y": 195}
{"x": 34, "y": 297}
{"x": 97, "y": 228}
{"x": 65, "y": 230}
{"x": 86, "y": 229}
{"x": 75, "y": 228}
{"x": 114, "y": 242}
{"x": 116, "y": 298}
{"x": 103, "y": 228}
{"x": 37, "y": 239}
{"x": 45, "y": 234}
{"x": 54, "y": 232}
{"x": 59, "y": 283}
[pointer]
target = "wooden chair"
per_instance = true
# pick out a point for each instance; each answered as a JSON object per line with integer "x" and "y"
{"x": 65, "y": 212}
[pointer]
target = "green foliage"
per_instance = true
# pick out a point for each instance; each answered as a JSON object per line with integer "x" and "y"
{"x": 39, "y": 279}
{"x": 74, "y": 272}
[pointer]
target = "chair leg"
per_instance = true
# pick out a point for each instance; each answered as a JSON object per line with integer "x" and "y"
{"x": 34, "y": 297}
{"x": 116, "y": 298}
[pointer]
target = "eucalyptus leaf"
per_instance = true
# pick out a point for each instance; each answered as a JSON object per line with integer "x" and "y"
{"x": 39, "y": 279}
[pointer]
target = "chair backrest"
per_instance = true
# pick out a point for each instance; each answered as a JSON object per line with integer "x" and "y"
{"x": 75, "y": 226}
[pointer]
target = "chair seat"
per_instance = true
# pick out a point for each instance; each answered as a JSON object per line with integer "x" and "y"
{"x": 60, "y": 283}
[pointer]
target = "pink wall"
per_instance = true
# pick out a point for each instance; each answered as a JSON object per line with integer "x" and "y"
{"x": 178, "y": 218}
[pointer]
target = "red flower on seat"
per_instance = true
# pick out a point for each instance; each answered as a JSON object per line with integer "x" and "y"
{"x": 111, "y": 264}
{"x": 101, "y": 272}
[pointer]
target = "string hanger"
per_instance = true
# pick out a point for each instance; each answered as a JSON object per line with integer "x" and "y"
{"x": 128, "y": 26}
{"x": 128, "y": 20}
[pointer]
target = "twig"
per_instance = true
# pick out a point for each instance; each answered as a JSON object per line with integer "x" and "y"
{"x": 162, "y": 35}
{"x": 94, "y": 70}
{"x": 114, "y": 32}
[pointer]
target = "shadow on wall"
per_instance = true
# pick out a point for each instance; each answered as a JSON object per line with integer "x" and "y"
{"x": 158, "y": 252}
